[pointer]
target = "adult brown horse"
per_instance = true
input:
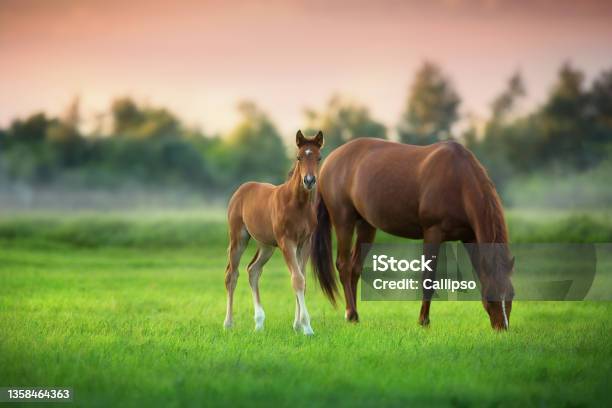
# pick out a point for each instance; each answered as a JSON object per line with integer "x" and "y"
{"x": 436, "y": 193}
{"x": 276, "y": 216}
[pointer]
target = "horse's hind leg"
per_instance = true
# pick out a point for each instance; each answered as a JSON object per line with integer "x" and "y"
{"x": 432, "y": 238}
{"x": 344, "y": 234}
{"x": 365, "y": 235}
{"x": 239, "y": 237}
{"x": 255, "y": 268}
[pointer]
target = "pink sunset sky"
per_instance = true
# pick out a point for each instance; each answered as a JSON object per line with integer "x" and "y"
{"x": 200, "y": 58}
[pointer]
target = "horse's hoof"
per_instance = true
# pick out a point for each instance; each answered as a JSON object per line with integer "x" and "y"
{"x": 424, "y": 322}
{"x": 259, "y": 327}
{"x": 297, "y": 326}
{"x": 228, "y": 325}
{"x": 352, "y": 316}
{"x": 308, "y": 331}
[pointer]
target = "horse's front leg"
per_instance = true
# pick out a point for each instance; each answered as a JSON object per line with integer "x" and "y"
{"x": 298, "y": 282}
{"x": 431, "y": 246}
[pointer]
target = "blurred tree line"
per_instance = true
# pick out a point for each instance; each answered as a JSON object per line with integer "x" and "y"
{"x": 145, "y": 146}
{"x": 570, "y": 132}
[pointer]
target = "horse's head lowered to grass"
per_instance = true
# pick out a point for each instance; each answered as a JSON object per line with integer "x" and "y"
{"x": 497, "y": 290}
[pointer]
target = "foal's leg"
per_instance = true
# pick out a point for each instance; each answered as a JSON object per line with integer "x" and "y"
{"x": 303, "y": 254}
{"x": 431, "y": 245}
{"x": 297, "y": 326}
{"x": 365, "y": 235}
{"x": 239, "y": 238}
{"x": 298, "y": 282}
{"x": 255, "y": 268}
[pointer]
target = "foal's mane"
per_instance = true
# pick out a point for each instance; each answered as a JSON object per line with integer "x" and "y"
{"x": 291, "y": 171}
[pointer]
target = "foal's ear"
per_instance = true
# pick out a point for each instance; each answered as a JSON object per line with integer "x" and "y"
{"x": 318, "y": 139}
{"x": 299, "y": 139}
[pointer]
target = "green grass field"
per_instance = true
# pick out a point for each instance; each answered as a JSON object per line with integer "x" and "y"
{"x": 127, "y": 310}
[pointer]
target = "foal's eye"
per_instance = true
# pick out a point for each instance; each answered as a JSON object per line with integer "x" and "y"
{"x": 299, "y": 158}
{"x": 318, "y": 159}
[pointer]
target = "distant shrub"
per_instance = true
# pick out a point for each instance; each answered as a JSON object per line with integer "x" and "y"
{"x": 201, "y": 229}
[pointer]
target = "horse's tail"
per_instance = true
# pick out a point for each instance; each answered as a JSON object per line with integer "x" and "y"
{"x": 321, "y": 253}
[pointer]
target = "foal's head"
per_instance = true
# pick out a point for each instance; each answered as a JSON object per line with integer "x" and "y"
{"x": 308, "y": 158}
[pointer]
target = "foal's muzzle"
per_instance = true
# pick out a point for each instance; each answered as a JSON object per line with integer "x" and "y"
{"x": 309, "y": 181}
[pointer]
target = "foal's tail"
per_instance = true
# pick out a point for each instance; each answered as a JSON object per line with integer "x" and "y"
{"x": 321, "y": 253}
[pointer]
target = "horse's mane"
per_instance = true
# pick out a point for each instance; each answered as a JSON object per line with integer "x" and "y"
{"x": 491, "y": 229}
{"x": 495, "y": 214}
{"x": 493, "y": 226}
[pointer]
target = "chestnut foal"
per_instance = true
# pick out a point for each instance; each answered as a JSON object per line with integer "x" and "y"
{"x": 276, "y": 216}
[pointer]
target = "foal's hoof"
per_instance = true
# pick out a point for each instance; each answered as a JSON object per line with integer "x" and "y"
{"x": 259, "y": 327}
{"x": 424, "y": 322}
{"x": 308, "y": 331}
{"x": 227, "y": 325}
{"x": 297, "y": 326}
